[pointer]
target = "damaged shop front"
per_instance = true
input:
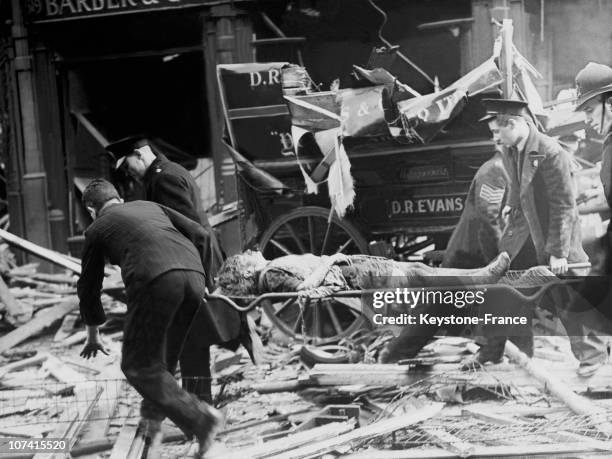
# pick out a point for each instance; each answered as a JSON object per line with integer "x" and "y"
{"x": 80, "y": 74}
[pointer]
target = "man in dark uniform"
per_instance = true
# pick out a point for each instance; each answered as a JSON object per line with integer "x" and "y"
{"x": 157, "y": 250}
{"x": 594, "y": 84}
{"x": 595, "y": 101}
{"x": 543, "y": 225}
{"x": 475, "y": 239}
{"x": 171, "y": 185}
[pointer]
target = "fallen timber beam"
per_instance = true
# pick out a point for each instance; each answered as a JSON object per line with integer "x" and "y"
{"x": 403, "y": 375}
{"x": 363, "y": 433}
{"x": 41, "y": 252}
{"x": 576, "y": 403}
{"x": 289, "y": 443}
{"x": 36, "y": 359}
{"x": 280, "y": 386}
{"x": 127, "y": 443}
{"x": 258, "y": 422}
{"x": 46, "y": 254}
{"x": 36, "y": 325}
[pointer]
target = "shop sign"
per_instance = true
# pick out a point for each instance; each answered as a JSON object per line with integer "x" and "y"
{"x": 54, "y": 10}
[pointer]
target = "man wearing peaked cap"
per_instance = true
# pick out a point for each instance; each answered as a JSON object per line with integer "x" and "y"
{"x": 509, "y": 107}
{"x": 543, "y": 225}
{"x": 120, "y": 149}
{"x": 171, "y": 185}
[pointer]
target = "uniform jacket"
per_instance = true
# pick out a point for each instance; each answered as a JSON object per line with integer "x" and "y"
{"x": 604, "y": 267}
{"x": 606, "y": 168}
{"x": 476, "y": 237}
{"x": 171, "y": 185}
{"x": 542, "y": 196}
{"x": 146, "y": 240}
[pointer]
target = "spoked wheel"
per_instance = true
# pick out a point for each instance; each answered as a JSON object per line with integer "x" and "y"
{"x": 307, "y": 230}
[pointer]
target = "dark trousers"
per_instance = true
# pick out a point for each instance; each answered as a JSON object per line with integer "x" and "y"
{"x": 158, "y": 320}
{"x": 413, "y": 338}
{"x": 195, "y": 361}
{"x": 493, "y": 337}
{"x": 586, "y": 346}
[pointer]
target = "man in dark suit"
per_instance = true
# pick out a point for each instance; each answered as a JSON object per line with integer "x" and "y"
{"x": 157, "y": 250}
{"x": 171, "y": 185}
{"x": 543, "y": 225}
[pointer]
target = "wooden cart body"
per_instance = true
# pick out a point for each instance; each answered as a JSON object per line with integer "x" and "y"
{"x": 407, "y": 189}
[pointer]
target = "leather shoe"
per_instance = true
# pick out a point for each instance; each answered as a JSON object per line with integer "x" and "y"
{"x": 586, "y": 370}
{"x": 213, "y": 422}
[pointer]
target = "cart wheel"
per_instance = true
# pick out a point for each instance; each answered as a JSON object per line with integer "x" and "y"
{"x": 307, "y": 230}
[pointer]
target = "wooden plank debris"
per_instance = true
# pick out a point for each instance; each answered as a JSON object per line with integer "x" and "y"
{"x": 449, "y": 442}
{"x": 291, "y": 442}
{"x": 17, "y": 312}
{"x": 277, "y": 418}
{"x": 92, "y": 447}
{"x": 575, "y": 402}
{"x": 67, "y": 327}
{"x": 41, "y": 252}
{"x": 27, "y": 292}
{"x": 279, "y": 386}
{"x": 46, "y": 254}
{"x": 363, "y": 433}
{"x": 28, "y": 431}
{"x": 41, "y": 304}
{"x": 404, "y": 375}
{"x": 54, "y": 278}
{"x": 129, "y": 443}
{"x": 23, "y": 270}
{"x": 36, "y": 325}
{"x": 328, "y": 414}
{"x": 37, "y": 359}
{"x": 61, "y": 289}
{"x": 62, "y": 372}
{"x": 517, "y": 450}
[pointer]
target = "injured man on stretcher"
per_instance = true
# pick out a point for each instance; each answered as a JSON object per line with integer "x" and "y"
{"x": 250, "y": 274}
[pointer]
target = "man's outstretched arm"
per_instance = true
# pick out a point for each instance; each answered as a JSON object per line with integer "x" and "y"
{"x": 88, "y": 289}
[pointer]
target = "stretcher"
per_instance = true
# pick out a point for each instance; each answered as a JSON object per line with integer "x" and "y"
{"x": 314, "y": 319}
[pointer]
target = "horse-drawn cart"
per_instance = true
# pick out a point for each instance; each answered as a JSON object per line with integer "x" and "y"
{"x": 374, "y": 169}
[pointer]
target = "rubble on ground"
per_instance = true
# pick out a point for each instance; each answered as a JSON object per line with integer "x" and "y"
{"x": 305, "y": 401}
